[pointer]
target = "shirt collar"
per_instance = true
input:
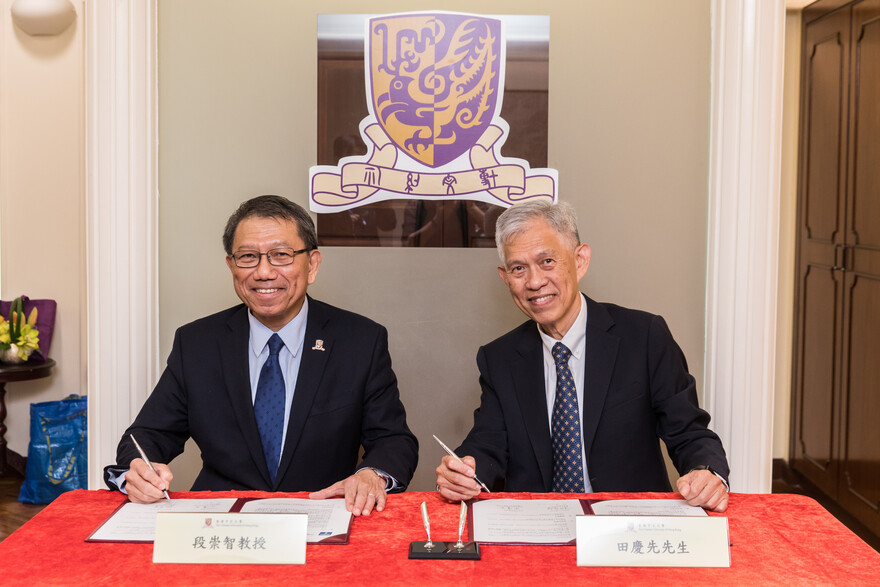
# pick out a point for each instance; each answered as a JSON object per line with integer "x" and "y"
{"x": 575, "y": 338}
{"x": 293, "y": 333}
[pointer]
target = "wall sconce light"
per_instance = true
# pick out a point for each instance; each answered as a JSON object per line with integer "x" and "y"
{"x": 43, "y": 17}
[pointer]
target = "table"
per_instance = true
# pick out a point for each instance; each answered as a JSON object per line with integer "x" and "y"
{"x": 9, "y": 373}
{"x": 776, "y": 539}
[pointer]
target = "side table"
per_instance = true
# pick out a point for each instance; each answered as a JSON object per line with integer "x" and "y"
{"x": 9, "y": 373}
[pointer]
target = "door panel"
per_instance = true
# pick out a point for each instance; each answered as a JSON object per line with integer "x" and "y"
{"x": 859, "y": 489}
{"x": 864, "y": 213}
{"x": 817, "y": 415}
{"x": 860, "y": 464}
{"x": 825, "y": 136}
{"x": 821, "y": 234}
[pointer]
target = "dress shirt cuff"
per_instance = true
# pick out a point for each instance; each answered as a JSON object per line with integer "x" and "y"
{"x": 117, "y": 478}
{"x": 723, "y": 480}
{"x": 391, "y": 483}
{"x": 711, "y": 470}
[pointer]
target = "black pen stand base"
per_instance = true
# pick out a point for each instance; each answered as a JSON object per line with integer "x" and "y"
{"x": 470, "y": 551}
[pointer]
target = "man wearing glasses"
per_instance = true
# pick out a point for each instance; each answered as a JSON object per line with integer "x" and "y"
{"x": 281, "y": 392}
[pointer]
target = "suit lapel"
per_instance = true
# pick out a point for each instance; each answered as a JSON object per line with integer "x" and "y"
{"x": 601, "y": 354}
{"x": 529, "y": 382}
{"x": 311, "y": 369}
{"x": 236, "y": 374}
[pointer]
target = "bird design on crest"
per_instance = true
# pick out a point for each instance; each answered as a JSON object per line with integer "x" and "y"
{"x": 437, "y": 90}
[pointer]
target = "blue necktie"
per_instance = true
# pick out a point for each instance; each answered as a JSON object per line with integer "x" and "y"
{"x": 568, "y": 468}
{"x": 269, "y": 406}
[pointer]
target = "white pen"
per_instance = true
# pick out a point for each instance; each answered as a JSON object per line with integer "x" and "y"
{"x": 462, "y": 518}
{"x": 455, "y": 456}
{"x": 146, "y": 460}
{"x": 428, "y": 545}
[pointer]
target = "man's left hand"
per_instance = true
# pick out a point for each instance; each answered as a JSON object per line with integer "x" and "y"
{"x": 363, "y": 491}
{"x": 703, "y": 488}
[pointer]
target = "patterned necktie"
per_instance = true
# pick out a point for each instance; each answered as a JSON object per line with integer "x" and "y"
{"x": 269, "y": 406}
{"x": 568, "y": 468}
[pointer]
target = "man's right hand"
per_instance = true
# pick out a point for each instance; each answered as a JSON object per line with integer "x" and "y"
{"x": 145, "y": 486}
{"x": 455, "y": 480}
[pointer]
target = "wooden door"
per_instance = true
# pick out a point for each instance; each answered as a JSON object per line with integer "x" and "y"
{"x": 821, "y": 239}
{"x": 859, "y": 490}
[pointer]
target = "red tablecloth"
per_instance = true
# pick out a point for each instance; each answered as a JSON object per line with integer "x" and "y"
{"x": 776, "y": 539}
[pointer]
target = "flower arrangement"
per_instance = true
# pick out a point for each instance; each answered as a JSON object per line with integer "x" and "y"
{"x": 18, "y": 338}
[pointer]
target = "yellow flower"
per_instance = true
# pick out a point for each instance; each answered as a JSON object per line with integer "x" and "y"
{"x": 27, "y": 342}
{"x": 18, "y": 334}
{"x": 30, "y": 337}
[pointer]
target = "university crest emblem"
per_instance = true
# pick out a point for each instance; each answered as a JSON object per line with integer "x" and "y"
{"x": 434, "y": 81}
{"x": 434, "y": 85}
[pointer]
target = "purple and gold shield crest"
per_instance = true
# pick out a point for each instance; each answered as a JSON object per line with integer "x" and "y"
{"x": 434, "y": 81}
{"x": 434, "y": 84}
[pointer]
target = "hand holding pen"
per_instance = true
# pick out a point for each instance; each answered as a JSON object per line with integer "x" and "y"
{"x": 136, "y": 484}
{"x": 451, "y": 474}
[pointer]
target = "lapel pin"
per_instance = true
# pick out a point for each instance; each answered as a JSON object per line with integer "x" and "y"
{"x": 319, "y": 345}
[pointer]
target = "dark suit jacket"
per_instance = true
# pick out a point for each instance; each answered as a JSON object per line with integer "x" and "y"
{"x": 345, "y": 397}
{"x": 636, "y": 388}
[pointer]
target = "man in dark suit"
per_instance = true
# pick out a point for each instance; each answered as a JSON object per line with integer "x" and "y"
{"x": 575, "y": 398}
{"x": 279, "y": 393}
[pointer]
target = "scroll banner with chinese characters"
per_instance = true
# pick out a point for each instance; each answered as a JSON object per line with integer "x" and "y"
{"x": 358, "y": 182}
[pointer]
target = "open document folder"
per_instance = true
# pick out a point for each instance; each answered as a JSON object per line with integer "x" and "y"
{"x": 329, "y": 521}
{"x": 552, "y": 521}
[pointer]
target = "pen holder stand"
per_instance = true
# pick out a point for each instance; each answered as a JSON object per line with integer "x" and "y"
{"x": 469, "y": 551}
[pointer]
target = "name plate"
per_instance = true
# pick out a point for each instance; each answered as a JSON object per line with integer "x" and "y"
{"x": 652, "y": 541}
{"x": 231, "y": 539}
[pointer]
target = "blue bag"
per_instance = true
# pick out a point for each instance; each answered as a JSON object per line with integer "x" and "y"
{"x": 57, "y": 452}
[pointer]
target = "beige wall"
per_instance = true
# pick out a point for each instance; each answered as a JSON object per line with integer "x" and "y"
{"x": 628, "y": 126}
{"x": 787, "y": 233}
{"x": 42, "y": 234}
{"x": 629, "y": 134}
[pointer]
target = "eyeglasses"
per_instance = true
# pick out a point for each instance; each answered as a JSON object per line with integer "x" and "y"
{"x": 277, "y": 257}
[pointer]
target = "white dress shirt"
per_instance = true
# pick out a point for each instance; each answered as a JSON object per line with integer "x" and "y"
{"x": 576, "y": 341}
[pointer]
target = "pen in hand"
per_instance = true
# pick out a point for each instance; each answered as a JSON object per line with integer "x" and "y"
{"x": 455, "y": 456}
{"x": 146, "y": 460}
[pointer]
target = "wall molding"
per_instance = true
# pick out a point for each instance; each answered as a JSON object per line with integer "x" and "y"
{"x": 743, "y": 232}
{"x": 121, "y": 219}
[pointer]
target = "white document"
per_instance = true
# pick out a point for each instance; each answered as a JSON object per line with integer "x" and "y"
{"x": 553, "y": 521}
{"x": 133, "y": 522}
{"x": 327, "y": 517}
{"x": 646, "y": 507}
{"x": 136, "y": 522}
{"x": 525, "y": 521}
